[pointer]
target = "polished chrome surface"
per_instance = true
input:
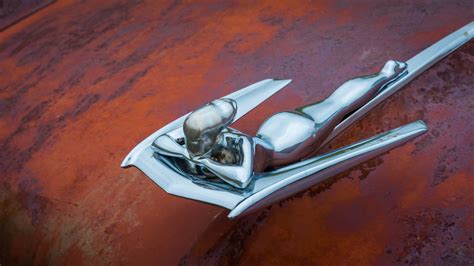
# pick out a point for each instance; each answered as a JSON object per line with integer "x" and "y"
{"x": 167, "y": 170}
{"x": 246, "y": 98}
{"x": 295, "y": 135}
{"x": 283, "y": 182}
{"x": 203, "y": 127}
{"x": 283, "y": 138}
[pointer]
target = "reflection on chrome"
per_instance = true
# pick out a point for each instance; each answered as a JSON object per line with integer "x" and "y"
{"x": 214, "y": 149}
{"x": 199, "y": 156}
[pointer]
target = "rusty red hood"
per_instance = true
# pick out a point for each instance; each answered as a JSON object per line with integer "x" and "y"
{"x": 82, "y": 83}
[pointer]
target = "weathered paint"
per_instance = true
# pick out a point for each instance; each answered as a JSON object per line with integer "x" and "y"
{"x": 81, "y": 83}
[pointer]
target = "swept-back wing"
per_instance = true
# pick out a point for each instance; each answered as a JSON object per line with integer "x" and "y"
{"x": 247, "y": 99}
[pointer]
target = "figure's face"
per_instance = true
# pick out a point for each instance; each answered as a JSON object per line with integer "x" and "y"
{"x": 202, "y": 127}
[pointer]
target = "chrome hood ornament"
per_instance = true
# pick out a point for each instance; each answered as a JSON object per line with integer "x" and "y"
{"x": 199, "y": 156}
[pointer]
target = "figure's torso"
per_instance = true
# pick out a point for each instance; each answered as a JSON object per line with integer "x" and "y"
{"x": 290, "y": 134}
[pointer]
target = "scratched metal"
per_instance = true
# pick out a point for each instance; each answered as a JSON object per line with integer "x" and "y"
{"x": 82, "y": 82}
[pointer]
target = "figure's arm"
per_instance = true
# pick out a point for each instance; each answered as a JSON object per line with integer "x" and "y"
{"x": 236, "y": 175}
{"x": 166, "y": 145}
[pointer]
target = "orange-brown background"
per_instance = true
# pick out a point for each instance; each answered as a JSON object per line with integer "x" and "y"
{"x": 81, "y": 83}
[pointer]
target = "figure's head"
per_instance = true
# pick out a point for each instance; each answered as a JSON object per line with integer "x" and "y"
{"x": 202, "y": 127}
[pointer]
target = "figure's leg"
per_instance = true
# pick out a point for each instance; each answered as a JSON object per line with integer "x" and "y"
{"x": 350, "y": 96}
{"x": 354, "y": 93}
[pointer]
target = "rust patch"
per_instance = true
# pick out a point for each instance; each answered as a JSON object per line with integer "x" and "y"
{"x": 81, "y": 83}
{"x": 13, "y": 11}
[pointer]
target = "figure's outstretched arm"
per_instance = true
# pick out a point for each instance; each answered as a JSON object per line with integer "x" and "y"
{"x": 236, "y": 175}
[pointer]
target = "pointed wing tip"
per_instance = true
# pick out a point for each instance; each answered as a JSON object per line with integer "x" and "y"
{"x": 422, "y": 125}
{"x": 281, "y": 83}
{"x": 286, "y": 81}
{"x": 125, "y": 163}
{"x": 277, "y": 80}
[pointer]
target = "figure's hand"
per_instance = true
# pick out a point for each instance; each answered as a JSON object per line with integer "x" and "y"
{"x": 166, "y": 145}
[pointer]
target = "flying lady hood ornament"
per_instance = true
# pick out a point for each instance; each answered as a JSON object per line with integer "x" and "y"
{"x": 199, "y": 156}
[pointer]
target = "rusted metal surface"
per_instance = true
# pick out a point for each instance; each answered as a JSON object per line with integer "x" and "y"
{"x": 12, "y": 11}
{"x": 82, "y": 83}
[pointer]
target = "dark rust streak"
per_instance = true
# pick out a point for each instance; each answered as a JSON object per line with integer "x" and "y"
{"x": 129, "y": 84}
{"x": 83, "y": 105}
{"x": 31, "y": 199}
{"x": 230, "y": 246}
{"x": 15, "y": 11}
{"x": 35, "y": 113}
{"x": 13, "y": 159}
